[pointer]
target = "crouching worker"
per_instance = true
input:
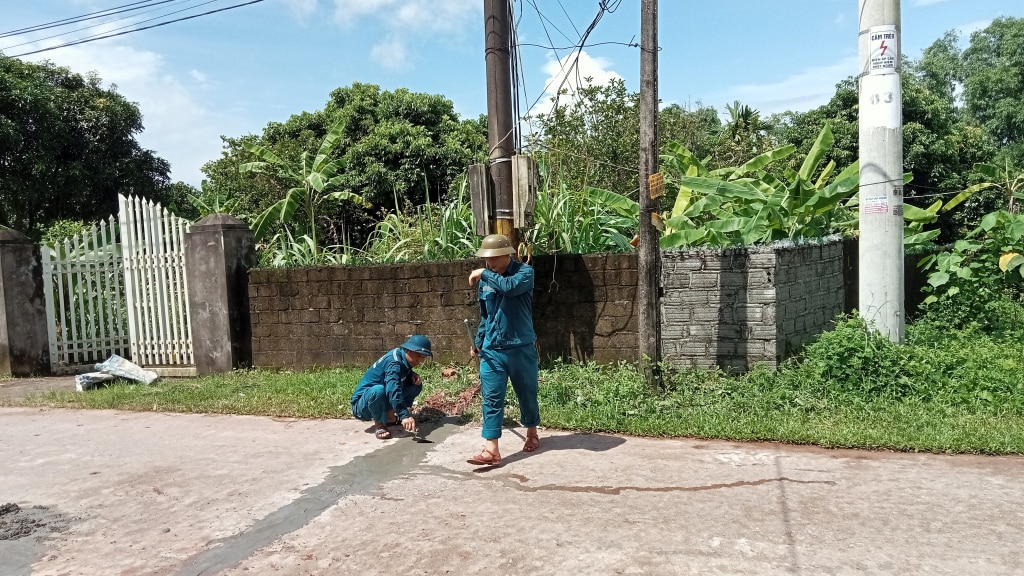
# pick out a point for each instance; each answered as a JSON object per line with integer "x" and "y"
{"x": 387, "y": 390}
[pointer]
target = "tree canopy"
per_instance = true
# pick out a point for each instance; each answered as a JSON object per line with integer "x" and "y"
{"x": 396, "y": 146}
{"x": 593, "y": 139}
{"x": 67, "y": 148}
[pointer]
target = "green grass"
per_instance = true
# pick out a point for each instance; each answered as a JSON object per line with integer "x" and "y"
{"x": 322, "y": 393}
{"x": 956, "y": 391}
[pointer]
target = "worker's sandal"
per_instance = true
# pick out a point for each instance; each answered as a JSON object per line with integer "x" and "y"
{"x": 485, "y": 458}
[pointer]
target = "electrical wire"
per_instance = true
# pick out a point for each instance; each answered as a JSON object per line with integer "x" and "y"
{"x": 106, "y": 22}
{"x": 629, "y": 44}
{"x": 104, "y": 36}
{"x": 83, "y": 18}
{"x": 604, "y": 6}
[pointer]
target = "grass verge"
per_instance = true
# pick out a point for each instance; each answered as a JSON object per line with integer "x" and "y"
{"x": 955, "y": 392}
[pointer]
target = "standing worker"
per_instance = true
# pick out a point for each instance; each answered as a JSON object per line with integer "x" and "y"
{"x": 388, "y": 388}
{"x": 505, "y": 343}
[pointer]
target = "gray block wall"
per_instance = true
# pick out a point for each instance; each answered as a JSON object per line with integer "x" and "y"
{"x": 584, "y": 309}
{"x": 736, "y": 307}
{"x": 730, "y": 308}
{"x": 810, "y": 288}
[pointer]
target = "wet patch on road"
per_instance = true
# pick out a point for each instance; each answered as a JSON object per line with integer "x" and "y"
{"x": 23, "y": 535}
{"x": 364, "y": 475}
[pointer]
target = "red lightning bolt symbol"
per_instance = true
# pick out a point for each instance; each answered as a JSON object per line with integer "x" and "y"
{"x": 884, "y": 47}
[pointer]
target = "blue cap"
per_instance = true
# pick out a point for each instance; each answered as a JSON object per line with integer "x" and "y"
{"x": 419, "y": 344}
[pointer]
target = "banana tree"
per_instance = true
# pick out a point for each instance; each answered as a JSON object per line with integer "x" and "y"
{"x": 1007, "y": 181}
{"x": 747, "y": 205}
{"x": 312, "y": 178}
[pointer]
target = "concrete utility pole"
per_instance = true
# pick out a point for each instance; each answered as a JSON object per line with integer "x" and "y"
{"x": 649, "y": 251}
{"x": 500, "y": 139}
{"x": 881, "y": 297}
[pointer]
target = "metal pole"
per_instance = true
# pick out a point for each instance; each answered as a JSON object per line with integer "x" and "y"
{"x": 881, "y": 296}
{"x": 649, "y": 251}
{"x": 500, "y": 138}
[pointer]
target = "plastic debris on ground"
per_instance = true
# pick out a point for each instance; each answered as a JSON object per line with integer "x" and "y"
{"x": 114, "y": 367}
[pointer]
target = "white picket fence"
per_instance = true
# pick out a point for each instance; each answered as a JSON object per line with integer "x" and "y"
{"x": 120, "y": 288}
{"x": 83, "y": 281}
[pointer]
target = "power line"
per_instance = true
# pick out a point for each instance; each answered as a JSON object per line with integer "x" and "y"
{"x": 106, "y": 22}
{"x": 630, "y": 44}
{"x": 604, "y": 6}
{"x": 89, "y": 16}
{"x": 101, "y": 37}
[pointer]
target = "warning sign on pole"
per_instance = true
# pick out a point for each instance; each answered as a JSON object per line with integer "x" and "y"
{"x": 884, "y": 43}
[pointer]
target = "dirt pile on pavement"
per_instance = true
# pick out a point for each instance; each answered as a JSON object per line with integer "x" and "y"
{"x": 17, "y": 522}
{"x": 452, "y": 404}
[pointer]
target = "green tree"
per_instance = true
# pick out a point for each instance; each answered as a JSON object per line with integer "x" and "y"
{"x": 594, "y": 139}
{"x": 67, "y": 148}
{"x": 939, "y": 148}
{"x": 312, "y": 178}
{"x": 399, "y": 145}
{"x": 993, "y": 84}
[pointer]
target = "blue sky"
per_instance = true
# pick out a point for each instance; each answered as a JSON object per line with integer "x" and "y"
{"x": 232, "y": 72}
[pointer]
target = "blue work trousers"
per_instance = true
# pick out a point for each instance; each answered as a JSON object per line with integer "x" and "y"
{"x": 497, "y": 368}
{"x": 372, "y": 405}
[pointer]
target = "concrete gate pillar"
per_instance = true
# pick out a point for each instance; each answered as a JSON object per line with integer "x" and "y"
{"x": 219, "y": 250}
{"x": 24, "y": 346}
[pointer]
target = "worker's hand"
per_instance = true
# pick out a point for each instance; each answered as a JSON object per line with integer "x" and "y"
{"x": 409, "y": 424}
{"x": 474, "y": 351}
{"x": 474, "y": 276}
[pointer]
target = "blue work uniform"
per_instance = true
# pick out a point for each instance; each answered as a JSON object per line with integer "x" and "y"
{"x": 505, "y": 340}
{"x": 388, "y": 383}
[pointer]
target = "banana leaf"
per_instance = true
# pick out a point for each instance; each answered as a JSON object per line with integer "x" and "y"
{"x": 712, "y": 187}
{"x": 821, "y": 147}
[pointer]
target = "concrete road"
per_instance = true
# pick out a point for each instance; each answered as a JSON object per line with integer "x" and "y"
{"x": 21, "y": 387}
{"x": 110, "y": 492}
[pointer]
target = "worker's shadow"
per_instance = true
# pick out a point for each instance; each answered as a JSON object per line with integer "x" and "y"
{"x": 574, "y": 441}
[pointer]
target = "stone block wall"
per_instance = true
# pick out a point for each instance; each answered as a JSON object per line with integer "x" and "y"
{"x": 736, "y": 307}
{"x": 729, "y": 307}
{"x": 719, "y": 307}
{"x": 809, "y": 283}
{"x": 584, "y": 307}
{"x": 304, "y": 317}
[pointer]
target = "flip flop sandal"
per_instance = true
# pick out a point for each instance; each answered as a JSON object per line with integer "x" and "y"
{"x": 532, "y": 444}
{"x": 382, "y": 433}
{"x": 485, "y": 458}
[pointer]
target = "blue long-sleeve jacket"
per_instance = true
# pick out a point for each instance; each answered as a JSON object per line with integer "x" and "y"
{"x": 393, "y": 371}
{"x": 506, "y": 308}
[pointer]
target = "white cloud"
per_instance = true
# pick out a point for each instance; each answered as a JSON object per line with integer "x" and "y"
{"x": 348, "y": 11}
{"x": 176, "y": 125}
{"x": 800, "y": 92}
{"x": 409, "y": 21}
{"x": 390, "y": 52}
{"x": 568, "y": 79}
{"x": 302, "y": 8}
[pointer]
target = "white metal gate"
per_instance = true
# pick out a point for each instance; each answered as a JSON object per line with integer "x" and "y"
{"x": 120, "y": 288}
{"x": 156, "y": 290}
